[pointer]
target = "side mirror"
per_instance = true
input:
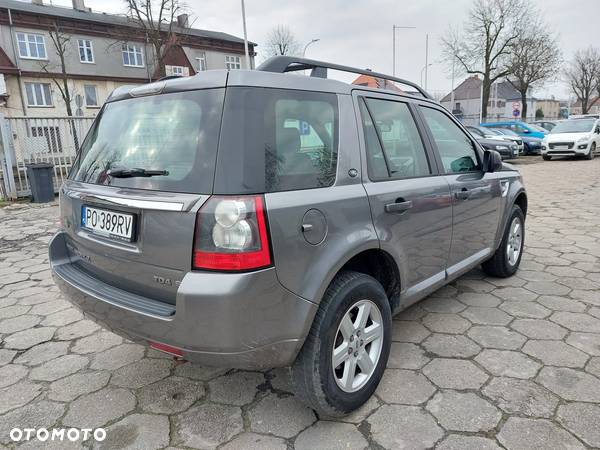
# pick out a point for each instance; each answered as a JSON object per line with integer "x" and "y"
{"x": 492, "y": 161}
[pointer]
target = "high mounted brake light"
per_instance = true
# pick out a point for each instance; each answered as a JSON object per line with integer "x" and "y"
{"x": 231, "y": 234}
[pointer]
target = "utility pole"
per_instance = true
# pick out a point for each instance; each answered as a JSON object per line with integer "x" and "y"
{"x": 426, "y": 57}
{"x": 452, "y": 91}
{"x": 245, "y": 37}
{"x": 394, "y": 27}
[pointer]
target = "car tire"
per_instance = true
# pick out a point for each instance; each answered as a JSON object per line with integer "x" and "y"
{"x": 547, "y": 157}
{"x": 592, "y": 152}
{"x": 317, "y": 383}
{"x": 507, "y": 258}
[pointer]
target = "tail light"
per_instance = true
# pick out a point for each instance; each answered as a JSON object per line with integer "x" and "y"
{"x": 231, "y": 234}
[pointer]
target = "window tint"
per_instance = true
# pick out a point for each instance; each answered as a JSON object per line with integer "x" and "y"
{"x": 455, "y": 148}
{"x": 392, "y": 124}
{"x": 276, "y": 140}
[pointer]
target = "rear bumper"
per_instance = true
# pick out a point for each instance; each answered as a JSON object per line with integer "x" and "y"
{"x": 238, "y": 320}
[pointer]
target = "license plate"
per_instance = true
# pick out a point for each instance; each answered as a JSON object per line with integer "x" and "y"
{"x": 108, "y": 223}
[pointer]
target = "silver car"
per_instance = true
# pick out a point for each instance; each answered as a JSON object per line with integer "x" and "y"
{"x": 256, "y": 219}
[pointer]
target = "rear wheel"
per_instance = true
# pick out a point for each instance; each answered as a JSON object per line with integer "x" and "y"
{"x": 346, "y": 351}
{"x": 507, "y": 258}
{"x": 547, "y": 157}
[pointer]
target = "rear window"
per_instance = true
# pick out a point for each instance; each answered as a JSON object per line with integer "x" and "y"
{"x": 276, "y": 140}
{"x": 177, "y": 133}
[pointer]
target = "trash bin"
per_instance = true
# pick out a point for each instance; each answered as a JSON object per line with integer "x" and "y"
{"x": 40, "y": 182}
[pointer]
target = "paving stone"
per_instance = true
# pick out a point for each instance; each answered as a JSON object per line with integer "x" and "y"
{"x": 11, "y": 373}
{"x": 505, "y": 363}
{"x": 454, "y": 374}
{"x": 141, "y": 373}
{"x": 446, "y": 323}
{"x": 406, "y": 356}
{"x": 593, "y": 366}
{"x": 53, "y": 306}
{"x": 582, "y": 420}
{"x": 517, "y": 294}
{"x": 76, "y": 330}
{"x": 415, "y": 312}
{"x": 95, "y": 410}
{"x": 561, "y": 303}
{"x": 238, "y": 388}
{"x": 58, "y": 368}
{"x": 281, "y": 379}
{"x": 71, "y": 387}
{"x": 17, "y": 395}
{"x": 535, "y": 275}
{"x": 460, "y": 442}
{"x": 62, "y": 318}
{"x": 42, "y": 414}
{"x": 13, "y": 311}
{"x": 96, "y": 343}
{"x": 555, "y": 353}
{"x": 6, "y": 356}
{"x": 486, "y": 316}
{"x": 117, "y": 357}
{"x": 404, "y": 386}
{"x": 457, "y": 411}
{"x": 22, "y": 340}
{"x": 208, "y": 425}
{"x": 253, "y": 441}
{"x": 442, "y": 305}
{"x": 403, "y": 331}
{"x": 526, "y": 309}
{"x": 521, "y": 397}
{"x": 570, "y": 384}
{"x": 360, "y": 414}
{"x": 539, "y": 329}
{"x": 496, "y": 337}
{"x": 42, "y": 353}
{"x": 469, "y": 285}
{"x": 535, "y": 434}
{"x": 332, "y": 436}
{"x": 171, "y": 395}
{"x": 137, "y": 431}
{"x": 478, "y": 299}
{"x": 284, "y": 417}
{"x": 197, "y": 372}
{"x": 451, "y": 346}
{"x": 418, "y": 429}
{"x": 19, "y": 323}
{"x": 577, "y": 321}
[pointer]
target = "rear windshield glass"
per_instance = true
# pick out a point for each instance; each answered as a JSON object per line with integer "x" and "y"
{"x": 175, "y": 133}
{"x": 276, "y": 140}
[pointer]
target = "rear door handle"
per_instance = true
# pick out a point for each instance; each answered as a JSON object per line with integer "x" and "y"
{"x": 399, "y": 206}
{"x": 463, "y": 194}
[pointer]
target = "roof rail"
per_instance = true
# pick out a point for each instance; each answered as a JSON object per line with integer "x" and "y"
{"x": 282, "y": 64}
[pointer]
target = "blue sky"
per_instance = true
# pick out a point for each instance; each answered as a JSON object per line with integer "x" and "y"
{"x": 359, "y": 33}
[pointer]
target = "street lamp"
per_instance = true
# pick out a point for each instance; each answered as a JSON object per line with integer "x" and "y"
{"x": 394, "y": 27}
{"x": 306, "y": 46}
{"x": 422, "y": 70}
{"x": 245, "y": 37}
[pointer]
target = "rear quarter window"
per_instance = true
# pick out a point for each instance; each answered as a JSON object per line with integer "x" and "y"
{"x": 276, "y": 140}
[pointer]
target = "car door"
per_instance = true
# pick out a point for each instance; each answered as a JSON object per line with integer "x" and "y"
{"x": 410, "y": 202}
{"x": 476, "y": 195}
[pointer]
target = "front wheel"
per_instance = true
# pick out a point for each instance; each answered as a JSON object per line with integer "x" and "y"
{"x": 347, "y": 348}
{"x": 546, "y": 157}
{"x": 592, "y": 152}
{"x": 507, "y": 258}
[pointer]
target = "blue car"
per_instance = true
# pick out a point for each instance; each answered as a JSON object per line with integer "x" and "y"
{"x": 531, "y": 134}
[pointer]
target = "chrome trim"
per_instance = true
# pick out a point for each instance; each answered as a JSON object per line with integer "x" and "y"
{"x": 142, "y": 204}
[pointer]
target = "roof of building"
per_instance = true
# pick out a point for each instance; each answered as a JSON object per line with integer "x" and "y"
{"x": 376, "y": 83}
{"x": 471, "y": 88}
{"x": 6, "y": 65}
{"x": 109, "y": 19}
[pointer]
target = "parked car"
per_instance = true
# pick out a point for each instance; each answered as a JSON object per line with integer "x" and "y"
{"x": 531, "y": 145}
{"x": 252, "y": 219}
{"x": 507, "y": 150}
{"x": 546, "y": 124}
{"x": 493, "y": 133}
{"x": 521, "y": 128}
{"x": 577, "y": 137}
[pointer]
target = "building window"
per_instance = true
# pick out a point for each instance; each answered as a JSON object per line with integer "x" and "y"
{"x": 86, "y": 52}
{"x": 201, "y": 62}
{"x": 233, "y": 62}
{"x": 38, "y": 94}
{"x": 91, "y": 95}
{"x": 132, "y": 55}
{"x": 31, "y": 46}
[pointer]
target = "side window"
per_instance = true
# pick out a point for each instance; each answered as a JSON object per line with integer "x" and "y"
{"x": 390, "y": 123}
{"x": 456, "y": 149}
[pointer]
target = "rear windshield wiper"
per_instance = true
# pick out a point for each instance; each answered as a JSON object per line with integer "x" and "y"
{"x": 135, "y": 172}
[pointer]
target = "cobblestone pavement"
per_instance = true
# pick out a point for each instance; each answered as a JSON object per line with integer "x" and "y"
{"x": 483, "y": 363}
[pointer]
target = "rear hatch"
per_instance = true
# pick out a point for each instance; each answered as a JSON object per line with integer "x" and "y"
{"x": 145, "y": 167}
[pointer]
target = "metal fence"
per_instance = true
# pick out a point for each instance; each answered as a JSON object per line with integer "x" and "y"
{"x": 29, "y": 140}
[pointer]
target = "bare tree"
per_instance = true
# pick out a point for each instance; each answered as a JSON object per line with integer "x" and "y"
{"x": 157, "y": 19}
{"x": 535, "y": 58}
{"x": 484, "y": 45}
{"x": 582, "y": 75}
{"x": 281, "y": 41}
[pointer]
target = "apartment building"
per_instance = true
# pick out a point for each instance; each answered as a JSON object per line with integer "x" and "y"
{"x": 101, "y": 52}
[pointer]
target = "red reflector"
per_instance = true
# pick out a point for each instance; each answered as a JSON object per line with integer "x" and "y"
{"x": 167, "y": 349}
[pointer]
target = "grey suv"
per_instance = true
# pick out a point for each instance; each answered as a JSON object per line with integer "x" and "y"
{"x": 257, "y": 219}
